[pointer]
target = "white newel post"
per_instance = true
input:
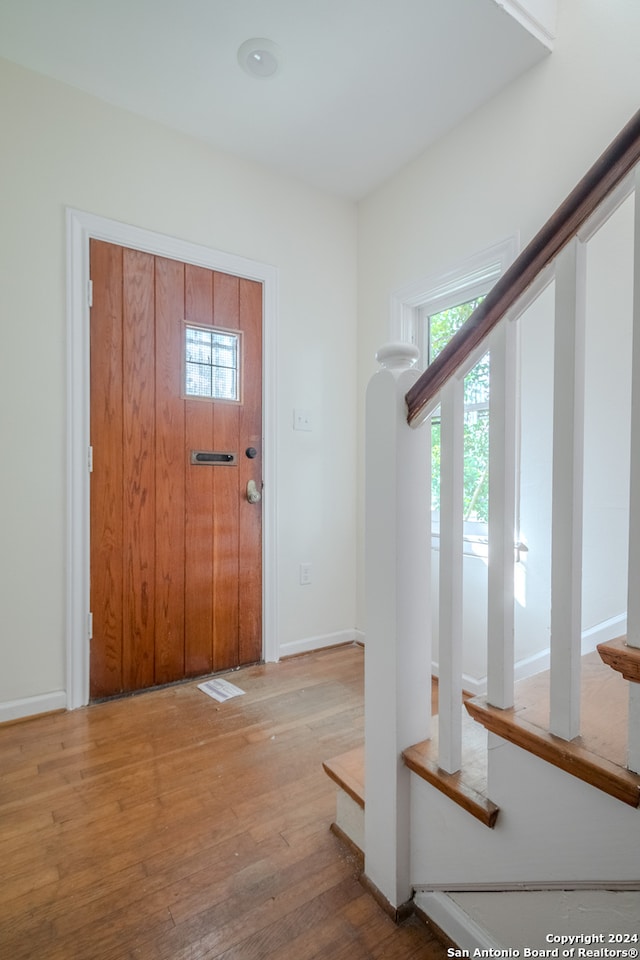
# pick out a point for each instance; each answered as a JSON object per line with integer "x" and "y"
{"x": 398, "y": 635}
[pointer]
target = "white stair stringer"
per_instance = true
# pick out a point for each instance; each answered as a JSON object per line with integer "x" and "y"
{"x": 552, "y": 829}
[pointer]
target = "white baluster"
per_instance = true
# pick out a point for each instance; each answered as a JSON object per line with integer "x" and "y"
{"x": 633, "y": 600}
{"x": 451, "y": 543}
{"x": 566, "y": 534}
{"x": 502, "y": 505}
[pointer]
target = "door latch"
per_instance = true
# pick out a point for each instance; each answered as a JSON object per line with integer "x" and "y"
{"x": 253, "y": 494}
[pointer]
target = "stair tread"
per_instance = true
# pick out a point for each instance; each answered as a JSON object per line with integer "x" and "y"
{"x": 467, "y": 787}
{"x": 568, "y": 755}
{"x": 598, "y": 755}
{"x": 604, "y": 708}
{"x": 347, "y": 770}
{"x": 618, "y": 655}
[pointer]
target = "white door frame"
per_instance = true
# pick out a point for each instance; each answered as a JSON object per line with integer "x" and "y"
{"x": 81, "y": 228}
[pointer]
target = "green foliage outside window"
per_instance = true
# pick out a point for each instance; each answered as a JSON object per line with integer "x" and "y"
{"x": 442, "y": 327}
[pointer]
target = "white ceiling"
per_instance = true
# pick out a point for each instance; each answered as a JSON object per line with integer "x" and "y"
{"x": 364, "y": 86}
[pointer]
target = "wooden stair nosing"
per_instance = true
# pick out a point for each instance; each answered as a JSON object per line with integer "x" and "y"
{"x": 453, "y": 785}
{"x": 347, "y": 771}
{"x": 566, "y": 755}
{"x": 621, "y": 657}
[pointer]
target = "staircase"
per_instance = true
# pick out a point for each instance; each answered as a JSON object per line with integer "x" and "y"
{"x": 530, "y": 790}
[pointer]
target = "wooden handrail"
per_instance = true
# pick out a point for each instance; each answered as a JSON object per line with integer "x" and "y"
{"x": 608, "y": 171}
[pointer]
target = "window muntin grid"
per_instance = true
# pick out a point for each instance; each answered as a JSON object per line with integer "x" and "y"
{"x": 212, "y": 363}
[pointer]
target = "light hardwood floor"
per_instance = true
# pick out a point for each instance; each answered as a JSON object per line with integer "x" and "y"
{"x": 167, "y": 826}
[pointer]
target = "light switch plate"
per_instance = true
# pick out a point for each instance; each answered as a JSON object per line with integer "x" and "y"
{"x": 301, "y": 420}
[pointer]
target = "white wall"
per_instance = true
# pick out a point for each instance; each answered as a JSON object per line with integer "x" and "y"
{"x": 62, "y": 148}
{"x": 608, "y": 414}
{"x": 501, "y": 172}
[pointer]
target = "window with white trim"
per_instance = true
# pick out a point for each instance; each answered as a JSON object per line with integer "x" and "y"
{"x": 428, "y": 312}
{"x": 439, "y": 328}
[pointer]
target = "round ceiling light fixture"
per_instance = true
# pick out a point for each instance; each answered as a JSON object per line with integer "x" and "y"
{"x": 259, "y": 58}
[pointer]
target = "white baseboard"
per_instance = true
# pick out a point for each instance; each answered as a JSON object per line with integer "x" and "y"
{"x": 476, "y": 687}
{"x": 307, "y": 644}
{"x": 454, "y": 921}
{"x": 32, "y": 706}
{"x": 538, "y": 662}
{"x": 607, "y": 630}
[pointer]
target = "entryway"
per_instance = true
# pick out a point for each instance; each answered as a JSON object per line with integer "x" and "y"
{"x": 225, "y": 620}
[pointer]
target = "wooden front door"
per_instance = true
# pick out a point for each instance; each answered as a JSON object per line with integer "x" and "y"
{"x": 176, "y": 546}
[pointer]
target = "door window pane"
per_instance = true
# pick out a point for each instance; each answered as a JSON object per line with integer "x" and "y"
{"x": 212, "y": 363}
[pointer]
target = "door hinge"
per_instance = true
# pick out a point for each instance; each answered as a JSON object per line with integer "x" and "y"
{"x": 90, "y": 626}
{"x": 90, "y": 459}
{"x": 90, "y": 293}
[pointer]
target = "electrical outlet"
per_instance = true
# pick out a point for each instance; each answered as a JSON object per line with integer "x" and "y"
{"x": 305, "y": 573}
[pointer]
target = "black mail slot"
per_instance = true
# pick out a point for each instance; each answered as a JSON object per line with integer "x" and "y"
{"x": 213, "y": 458}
